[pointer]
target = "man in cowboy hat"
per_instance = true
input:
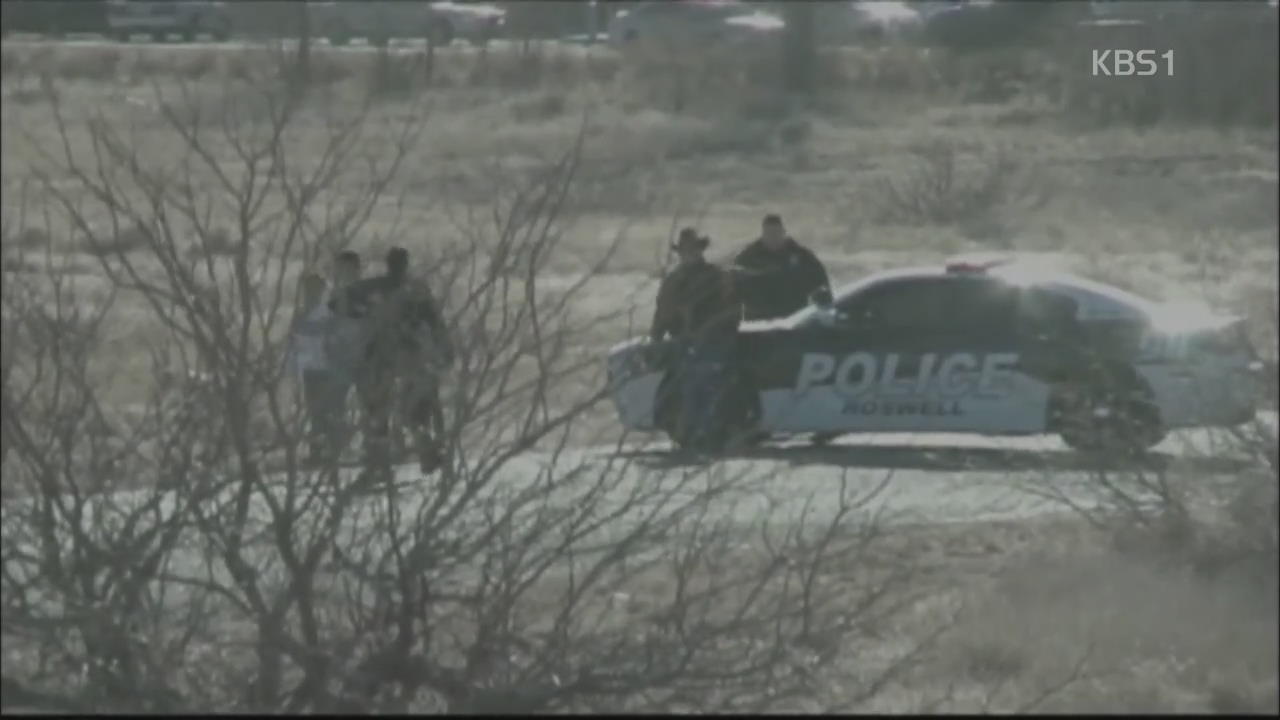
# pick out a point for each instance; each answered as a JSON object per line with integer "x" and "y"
{"x": 697, "y": 306}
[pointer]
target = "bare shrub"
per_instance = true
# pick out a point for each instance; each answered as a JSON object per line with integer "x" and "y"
{"x": 1224, "y": 528}
{"x": 396, "y": 76}
{"x": 175, "y": 555}
{"x": 99, "y": 64}
{"x": 540, "y": 107}
{"x": 893, "y": 68}
{"x": 946, "y": 187}
{"x": 122, "y": 241}
{"x": 29, "y": 238}
{"x": 680, "y": 78}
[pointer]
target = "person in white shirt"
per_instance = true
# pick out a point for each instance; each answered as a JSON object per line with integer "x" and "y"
{"x": 309, "y": 359}
{"x": 345, "y": 343}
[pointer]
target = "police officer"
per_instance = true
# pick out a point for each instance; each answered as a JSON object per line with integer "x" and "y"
{"x": 775, "y": 274}
{"x": 345, "y": 342}
{"x": 399, "y": 314}
{"x": 697, "y": 306}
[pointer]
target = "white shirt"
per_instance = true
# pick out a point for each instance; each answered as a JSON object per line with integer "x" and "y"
{"x": 308, "y": 349}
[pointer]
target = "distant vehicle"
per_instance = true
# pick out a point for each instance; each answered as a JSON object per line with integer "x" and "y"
{"x": 692, "y": 24}
{"x": 380, "y": 21}
{"x": 987, "y": 348}
{"x": 867, "y": 21}
{"x": 475, "y": 22}
{"x": 53, "y": 17}
{"x": 160, "y": 18}
{"x": 981, "y": 24}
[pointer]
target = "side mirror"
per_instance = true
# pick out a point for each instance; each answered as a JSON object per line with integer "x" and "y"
{"x": 821, "y": 298}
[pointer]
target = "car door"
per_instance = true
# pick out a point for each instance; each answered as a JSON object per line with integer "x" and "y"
{"x": 922, "y": 354}
{"x": 838, "y": 372}
{"x": 945, "y": 356}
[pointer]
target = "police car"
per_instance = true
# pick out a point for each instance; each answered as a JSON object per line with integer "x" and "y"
{"x": 996, "y": 348}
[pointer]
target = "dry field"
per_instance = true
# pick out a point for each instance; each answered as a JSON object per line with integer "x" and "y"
{"x": 1170, "y": 211}
{"x": 897, "y": 165}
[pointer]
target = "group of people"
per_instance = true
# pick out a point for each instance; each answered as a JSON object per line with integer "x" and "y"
{"x": 384, "y": 336}
{"x": 700, "y": 305}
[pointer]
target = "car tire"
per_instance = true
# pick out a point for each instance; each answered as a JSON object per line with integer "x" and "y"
{"x": 122, "y": 36}
{"x": 1112, "y": 413}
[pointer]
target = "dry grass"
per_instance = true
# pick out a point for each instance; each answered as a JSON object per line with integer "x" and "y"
{"x": 1134, "y": 622}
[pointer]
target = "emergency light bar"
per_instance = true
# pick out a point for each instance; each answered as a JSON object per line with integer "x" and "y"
{"x": 960, "y": 267}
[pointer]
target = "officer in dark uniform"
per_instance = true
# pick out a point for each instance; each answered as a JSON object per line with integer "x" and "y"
{"x": 776, "y": 275}
{"x": 396, "y": 310}
{"x": 698, "y": 307}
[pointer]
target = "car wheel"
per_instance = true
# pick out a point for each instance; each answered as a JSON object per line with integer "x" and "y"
{"x": 123, "y": 36}
{"x": 1111, "y": 414}
{"x": 156, "y": 36}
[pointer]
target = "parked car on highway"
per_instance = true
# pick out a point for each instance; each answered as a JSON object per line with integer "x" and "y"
{"x": 379, "y": 21}
{"x": 987, "y": 348}
{"x": 692, "y": 24}
{"x": 160, "y": 18}
{"x": 53, "y": 17}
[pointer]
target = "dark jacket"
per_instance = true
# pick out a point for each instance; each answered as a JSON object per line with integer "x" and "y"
{"x": 696, "y": 302}
{"x": 397, "y": 308}
{"x": 777, "y": 283}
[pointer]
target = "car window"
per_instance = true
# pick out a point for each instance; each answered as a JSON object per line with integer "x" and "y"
{"x": 1045, "y": 313}
{"x": 905, "y": 304}
{"x": 981, "y": 306}
{"x": 941, "y": 304}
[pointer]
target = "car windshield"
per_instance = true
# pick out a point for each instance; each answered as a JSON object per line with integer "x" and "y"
{"x": 812, "y": 314}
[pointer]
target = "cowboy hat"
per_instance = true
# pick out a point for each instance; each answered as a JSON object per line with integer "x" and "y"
{"x": 689, "y": 239}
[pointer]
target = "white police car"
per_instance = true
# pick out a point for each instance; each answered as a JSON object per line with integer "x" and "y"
{"x": 997, "y": 348}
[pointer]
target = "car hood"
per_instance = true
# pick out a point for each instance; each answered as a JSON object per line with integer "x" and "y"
{"x": 1176, "y": 318}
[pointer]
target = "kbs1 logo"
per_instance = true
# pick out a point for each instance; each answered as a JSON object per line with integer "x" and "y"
{"x": 1128, "y": 63}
